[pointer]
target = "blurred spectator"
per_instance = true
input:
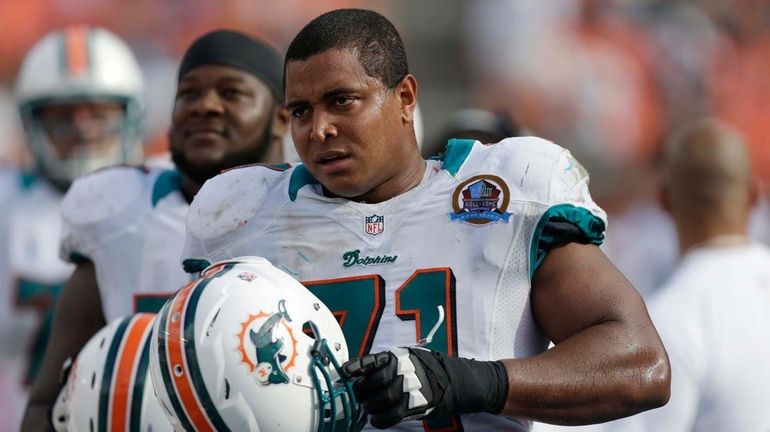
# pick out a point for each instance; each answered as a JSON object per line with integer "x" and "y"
{"x": 712, "y": 314}
{"x": 578, "y": 74}
{"x": 686, "y": 43}
{"x": 739, "y": 82}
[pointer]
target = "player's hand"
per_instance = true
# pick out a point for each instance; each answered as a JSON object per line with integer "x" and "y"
{"x": 412, "y": 383}
{"x": 403, "y": 383}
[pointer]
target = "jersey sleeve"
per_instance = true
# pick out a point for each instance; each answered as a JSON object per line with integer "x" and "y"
{"x": 570, "y": 214}
{"x": 95, "y": 207}
{"x": 219, "y": 213}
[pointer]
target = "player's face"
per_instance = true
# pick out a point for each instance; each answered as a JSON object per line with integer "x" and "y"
{"x": 221, "y": 119}
{"x": 348, "y": 128}
{"x": 92, "y": 126}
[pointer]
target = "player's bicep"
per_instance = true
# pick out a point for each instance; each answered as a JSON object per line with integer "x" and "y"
{"x": 78, "y": 316}
{"x": 576, "y": 287}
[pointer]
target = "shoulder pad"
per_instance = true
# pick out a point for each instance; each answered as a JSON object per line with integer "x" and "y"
{"x": 103, "y": 194}
{"x": 527, "y": 164}
{"x": 527, "y": 148}
{"x": 228, "y": 201}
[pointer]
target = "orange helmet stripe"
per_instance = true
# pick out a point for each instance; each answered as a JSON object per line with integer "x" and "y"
{"x": 177, "y": 363}
{"x": 76, "y": 41}
{"x": 124, "y": 378}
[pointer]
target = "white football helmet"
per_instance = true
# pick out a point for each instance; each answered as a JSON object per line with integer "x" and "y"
{"x": 108, "y": 386}
{"x": 75, "y": 65}
{"x": 247, "y": 347}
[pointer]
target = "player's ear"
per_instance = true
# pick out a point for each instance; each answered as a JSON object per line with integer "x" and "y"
{"x": 406, "y": 90}
{"x": 280, "y": 121}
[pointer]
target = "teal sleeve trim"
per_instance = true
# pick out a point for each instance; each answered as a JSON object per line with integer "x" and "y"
{"x": 591, "y": 227}
{"x": 78, "y": 258}
{"x": 166, "y": 183}
{"x": 194, "y": 265}
{"x": 457, "y": 150}
{"x": 280, "y": 167}
{"x": 299, "y": 177}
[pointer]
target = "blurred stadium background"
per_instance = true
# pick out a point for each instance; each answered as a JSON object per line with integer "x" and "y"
{"x": 606, "y": 78}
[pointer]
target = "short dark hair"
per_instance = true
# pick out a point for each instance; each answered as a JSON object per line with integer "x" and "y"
{"x": 374, "y": 38}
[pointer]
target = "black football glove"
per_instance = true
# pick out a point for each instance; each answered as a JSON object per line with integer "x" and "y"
{"x": 412, "y": 383}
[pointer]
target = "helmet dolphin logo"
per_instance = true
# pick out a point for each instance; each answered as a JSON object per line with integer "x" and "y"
{"x": 270, "y": 370}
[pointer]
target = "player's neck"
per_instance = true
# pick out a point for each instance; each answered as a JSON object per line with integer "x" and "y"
{"x": 189, "y": 188}
{"x": 711, "y": 236}
{"x": 406, "y": 179}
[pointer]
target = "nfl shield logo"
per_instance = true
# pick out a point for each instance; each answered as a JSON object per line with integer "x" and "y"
{"x": 374, "y": 224}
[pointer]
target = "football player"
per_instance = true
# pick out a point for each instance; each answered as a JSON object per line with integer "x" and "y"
{"x": 124, "y": 226}
{"x": 449, "y": 276}
{"x": 79, "y": 98}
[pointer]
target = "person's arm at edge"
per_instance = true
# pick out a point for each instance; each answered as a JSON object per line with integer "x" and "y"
{"x": 77, "y": 318}
{"x": 608, "y": 361}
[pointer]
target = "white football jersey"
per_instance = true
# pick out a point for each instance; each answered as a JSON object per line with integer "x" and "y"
{"x": 129, "y": 221}
{"x": 713, "y": 318}
{"x": 467, "y": 238}
{"x": 31, "y": 278}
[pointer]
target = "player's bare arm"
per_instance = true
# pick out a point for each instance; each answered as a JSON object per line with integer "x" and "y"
{"x": 608, "y": 361}
{"x": 78, "y": 316}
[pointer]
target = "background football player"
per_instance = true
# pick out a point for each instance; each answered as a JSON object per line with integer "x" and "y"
{"x": 79, "y": 96}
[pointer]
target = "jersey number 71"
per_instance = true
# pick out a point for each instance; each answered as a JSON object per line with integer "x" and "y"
{"x": 358, "y": 303}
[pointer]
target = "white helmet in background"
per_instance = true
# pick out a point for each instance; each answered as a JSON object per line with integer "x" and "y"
{"x": 248, "y": 348}
{"x": 80, "y": 65}
{"x": 108, "y": 385}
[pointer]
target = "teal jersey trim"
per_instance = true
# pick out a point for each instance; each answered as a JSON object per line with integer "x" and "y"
{"x": 591, "y": 227}
{"x": 41, "y": 297}
{"x": 27, "y": 179}
{"x": 194, "y": 265}
{"x": 166, "y": 183}
{"x": 457, "y": 150}
{"x": 299, "y": 178}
